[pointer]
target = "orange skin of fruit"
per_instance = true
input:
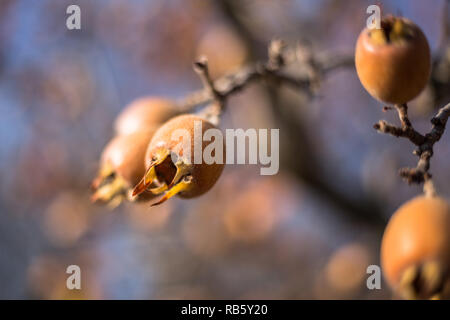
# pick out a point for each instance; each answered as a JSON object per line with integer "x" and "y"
{"x": 144, "y": 114}
{"x": 419, "y": 231}
{"x": 126, "y": 154}
{"x": 204, "y": 175}
{"x": 394, "y": 72}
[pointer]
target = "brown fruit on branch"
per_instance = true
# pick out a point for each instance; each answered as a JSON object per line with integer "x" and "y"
{"x": 393, "y": 63}
{"x": 144, "y": 114}
{"x": 170, "y": 160}
{"x": 121, "y": 167}
{"x": 415, "y": 250}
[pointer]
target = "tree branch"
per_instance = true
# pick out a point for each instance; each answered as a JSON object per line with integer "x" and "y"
{"x": 419, "y": 174}
{"x": 406, "y": 130}
{"x": 364, "y": 208}
{"x": 279, "y": 57}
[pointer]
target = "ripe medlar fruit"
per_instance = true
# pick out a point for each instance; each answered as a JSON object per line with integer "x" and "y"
{"x": 144, "y": 114}
{"x": 415, "y": 250}
{"x": 393, "y": 63}
{"x": 121, "y": 167}
{"x": 172, "y": 167}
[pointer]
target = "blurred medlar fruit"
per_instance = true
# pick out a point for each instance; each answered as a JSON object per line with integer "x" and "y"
{"x": 170, "y": 160}
{"x": 415, "y": 250}
{"x": 393, "y": 63}
{"x": 225, "y": 50}
{"x": 121, "y": 167}
{"x": 144, "y": 114}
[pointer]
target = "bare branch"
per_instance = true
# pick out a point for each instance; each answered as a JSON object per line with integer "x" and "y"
{"x": 406, "y": 131}
{"x": 419, "y": 174}
{"x": 384, "y": 127}
{"x": 201, "y": 68}
{"x": 279, "y": 57}
{"x": 275, "y": 52}
{"x": 439, "y": 122}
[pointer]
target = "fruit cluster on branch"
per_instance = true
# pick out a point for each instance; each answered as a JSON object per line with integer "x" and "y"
{"x": 157, "y": 175}
{"x": 393, "y": 64}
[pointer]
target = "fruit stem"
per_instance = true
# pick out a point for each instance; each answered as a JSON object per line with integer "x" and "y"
{"x": 428, "y": 188}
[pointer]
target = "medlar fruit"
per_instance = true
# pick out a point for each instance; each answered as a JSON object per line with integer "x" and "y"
{"x": 415, "y": 250}
{"x": 170, "y": 159}
{"x": 393, "y": 63}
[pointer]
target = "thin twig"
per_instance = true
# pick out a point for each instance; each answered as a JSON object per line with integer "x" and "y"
{"x": 405, "y": 131}
{"x": 201, "y": 68}
{"x": 279, "y": 57}
{"x": 425, "y": 143}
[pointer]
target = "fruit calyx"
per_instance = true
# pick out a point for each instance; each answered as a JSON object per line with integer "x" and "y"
{"x": 425, "y": 281}
{"x": 393, "y": 30}
{"x": 109, "y": 187}
{"x": 169, "y": 172}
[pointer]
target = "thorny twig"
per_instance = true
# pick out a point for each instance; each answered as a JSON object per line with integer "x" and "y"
{"x": 424, "y": 143}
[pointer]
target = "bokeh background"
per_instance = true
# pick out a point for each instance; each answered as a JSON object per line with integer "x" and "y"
{"x": 307, "y": 233}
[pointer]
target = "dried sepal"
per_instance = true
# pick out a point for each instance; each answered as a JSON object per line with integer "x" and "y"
{"x": 184, "y": 185}
{"x": 425, "y": 281}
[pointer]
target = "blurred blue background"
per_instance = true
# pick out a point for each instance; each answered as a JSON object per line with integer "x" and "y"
{"x": 308, "y": 232}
